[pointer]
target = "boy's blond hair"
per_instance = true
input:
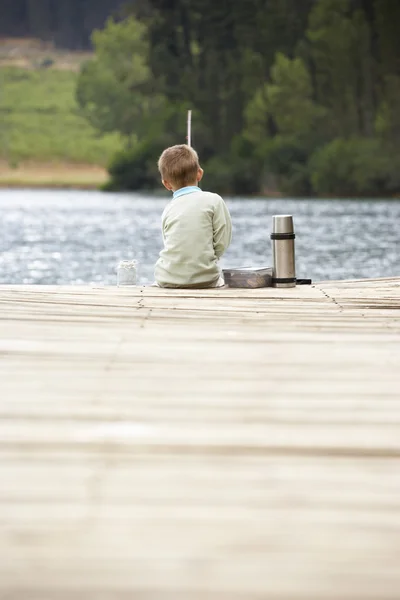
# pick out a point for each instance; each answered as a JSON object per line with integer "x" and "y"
{"x": 179, "y": 165}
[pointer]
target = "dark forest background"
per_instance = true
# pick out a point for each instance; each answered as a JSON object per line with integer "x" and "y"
{"x": 300, "y": 96}
{"x": 67, "y": 23}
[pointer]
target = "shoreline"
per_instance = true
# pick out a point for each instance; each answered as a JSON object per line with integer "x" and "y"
{"x": 78, "y": 176}
{"x": 58, "y": 175}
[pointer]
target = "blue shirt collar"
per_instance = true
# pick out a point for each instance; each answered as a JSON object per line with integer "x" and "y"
{"x": 186, "y": 190}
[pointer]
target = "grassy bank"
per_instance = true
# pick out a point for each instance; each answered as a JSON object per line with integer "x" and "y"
{"x": 52, "y": 175}
{"x": 43, "y": 138}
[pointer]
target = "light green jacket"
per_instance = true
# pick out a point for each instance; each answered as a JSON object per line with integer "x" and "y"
{"x": 197, "y": 230}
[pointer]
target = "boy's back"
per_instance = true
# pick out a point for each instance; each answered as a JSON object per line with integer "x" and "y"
{"x": 196, "y": 225}
{"x": 197, "y": 230}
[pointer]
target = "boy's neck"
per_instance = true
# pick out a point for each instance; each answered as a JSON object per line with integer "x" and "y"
{"x": 181, "y": 187}
{"x": 183, "y": 191}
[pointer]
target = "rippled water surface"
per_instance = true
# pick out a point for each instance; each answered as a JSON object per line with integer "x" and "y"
{"x": 65, "y": 237}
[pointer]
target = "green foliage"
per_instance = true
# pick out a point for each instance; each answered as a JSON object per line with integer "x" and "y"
{"x": 239, "y": 172}
{"x": 387, "y": 121}
{"x": 289, "y": 97}
{"x": 135, "y": 168}
{"x": 305, "y": 94}
{"x": 213, "y": 57}
{"x": 355, "y": 167}
{"x": 39, "y": 120}
{"x": 287, "y": 103}
{"x": 258, "y": 117}
{"x": 287, "y": 158}
{"x": 340, "y": 51}
{"x": 131, "y": 169}
{"x": 115, "y": 90}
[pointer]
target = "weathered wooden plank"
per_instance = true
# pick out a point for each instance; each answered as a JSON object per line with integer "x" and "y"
{"x": 211, "y": 445}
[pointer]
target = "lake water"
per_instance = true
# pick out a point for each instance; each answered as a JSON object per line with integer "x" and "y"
{"x": 78, "y": 237}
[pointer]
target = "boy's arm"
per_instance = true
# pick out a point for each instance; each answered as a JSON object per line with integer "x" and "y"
{"x": 164, "y": 224}
{"x": 222, "y": 228}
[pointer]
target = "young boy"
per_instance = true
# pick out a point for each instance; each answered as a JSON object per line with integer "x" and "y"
{"x": 196, "y": 225}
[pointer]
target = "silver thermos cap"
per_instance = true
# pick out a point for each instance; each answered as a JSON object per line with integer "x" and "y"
{"x": 282, "y": 224}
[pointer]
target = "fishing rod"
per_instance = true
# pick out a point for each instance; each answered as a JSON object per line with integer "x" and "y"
{"x": 189, "y": 128}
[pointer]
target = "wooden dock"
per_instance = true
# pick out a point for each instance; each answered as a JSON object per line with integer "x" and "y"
{"x": 200, "y": 445}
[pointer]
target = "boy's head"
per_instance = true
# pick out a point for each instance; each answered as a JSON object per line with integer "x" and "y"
{"x": 179, "y": 167}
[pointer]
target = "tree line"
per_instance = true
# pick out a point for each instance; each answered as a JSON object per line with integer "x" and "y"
{"x": 297, "y": 96}
{"x": 67, "y": 23}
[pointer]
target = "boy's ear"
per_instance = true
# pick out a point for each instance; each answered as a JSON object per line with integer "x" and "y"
{"x": 200, "y": 174}
{"x": 167, "y": 185}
